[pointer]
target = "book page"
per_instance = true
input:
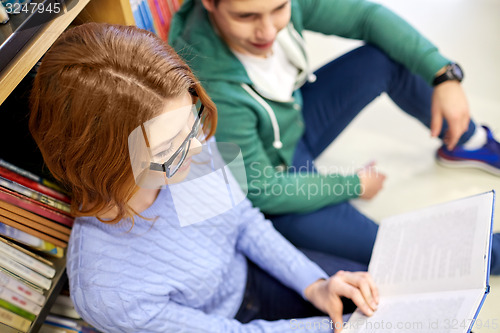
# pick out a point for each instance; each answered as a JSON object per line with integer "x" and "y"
{"x": 443, "y": 312}
{"x": 443, "y": 247}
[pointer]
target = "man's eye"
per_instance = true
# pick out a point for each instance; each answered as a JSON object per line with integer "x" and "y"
{"x": 245, "y": 16}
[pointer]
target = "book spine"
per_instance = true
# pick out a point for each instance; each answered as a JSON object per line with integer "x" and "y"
{"x": 62, "y": 322}
{"x": 35, "y": 208}
{"x": 65, "y": 311}
{"x": 156, "y": 19}
{"x": 30, "y": 183}
{"x": 20, "y": 301}
{"x": 53, "y": 328}
{"x": 27, "y": 261}
{"x": 41, "y": 232}
{"x": 26, "y": 251}
{"x": 146, "y": 14}
{"x": 20, "y": 279}
{"x": 30, "y": 175}
{"x": 18, "y": 170}
{"x": 35, "y": 195}
{"x": 31, "y": 241}
{"x": 137, "y": 14}
{"x": 25, "y": 273}
{"x": 40, "y": 224}
{"x": 167, "y": 15}
{"x": 164, "y": 14}
{"x": 13, "y": 320}
{"x": 17, "y": 310}
{"x": 11, "y": 283}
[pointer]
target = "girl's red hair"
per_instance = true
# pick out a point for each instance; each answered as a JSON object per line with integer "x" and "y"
{"x": 95, "y": 85}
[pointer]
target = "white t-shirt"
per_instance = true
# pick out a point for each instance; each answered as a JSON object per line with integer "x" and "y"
{"x": 274, "y": 77}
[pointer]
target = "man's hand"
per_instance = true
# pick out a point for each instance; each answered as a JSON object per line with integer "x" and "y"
{"x": 371, "y": 181}
{"x": 358, "y": 286}
{"x": 449, "y": 102}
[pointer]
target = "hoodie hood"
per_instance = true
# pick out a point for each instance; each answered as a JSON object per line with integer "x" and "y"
{"x": 195, "y": 40}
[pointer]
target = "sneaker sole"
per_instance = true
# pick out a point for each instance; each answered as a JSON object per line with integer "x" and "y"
{"x": 469, "y": 164}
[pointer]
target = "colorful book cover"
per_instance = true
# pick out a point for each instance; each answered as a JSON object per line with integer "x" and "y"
{"x": 27, "y": 251}
{"x": 45, "y": 199}
{"x": 41, "y": 232}
{"x": 31, "y": 241}
{"x": 20, "y": 279}
{"x": 17, "y": 310}
{"x": 49, "y": 227}
{"x": 146, "y": 15}
{"x": 136, "y": 11}
{"x": 13, "y": 320}
{"x": 30, "y": 183}
{"x": 33, "y": 206}
{"x": 26, "y": 260}
{"x": 166, "y": 14}
{"x": 19, "y": 301}
{"x": 25, "y": 273}
{"x": 31, "y": 175}
{"x": 157, "y": 20}
{"x": 21, "y": 288}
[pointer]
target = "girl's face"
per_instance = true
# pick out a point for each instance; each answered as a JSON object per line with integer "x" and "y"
{"x": 162, "y": 137}
{"x": 249, "y": 26}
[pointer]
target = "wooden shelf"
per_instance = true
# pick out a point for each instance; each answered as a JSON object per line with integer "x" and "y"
{"x": 34, "y": 49}
{"x": 108, "y": 11}
{"x": 111, "y": 11}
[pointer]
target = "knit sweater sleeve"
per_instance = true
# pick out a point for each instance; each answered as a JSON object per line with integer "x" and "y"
{"x": 262, "y": 244}
{"x": 113, "y": 311}
{"x": 273, "y": 191}
{"x": 375, "y": 24}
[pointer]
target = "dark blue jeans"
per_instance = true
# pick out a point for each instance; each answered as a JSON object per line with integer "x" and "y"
{"x": 268, "y": 299}
{"x": 342, "y": 89}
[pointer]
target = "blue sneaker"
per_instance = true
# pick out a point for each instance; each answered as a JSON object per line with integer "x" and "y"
{"x": 486, "y": 158}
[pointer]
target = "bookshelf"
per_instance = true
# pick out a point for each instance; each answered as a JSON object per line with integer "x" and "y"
{"x": 28, "y": 47}
{"x": 111, "y": 11}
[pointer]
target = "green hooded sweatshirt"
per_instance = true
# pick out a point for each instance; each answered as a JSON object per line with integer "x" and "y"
{"x": 266, "y": 130}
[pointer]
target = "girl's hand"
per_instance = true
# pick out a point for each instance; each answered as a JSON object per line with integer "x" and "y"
{"x": 358, "y": 286}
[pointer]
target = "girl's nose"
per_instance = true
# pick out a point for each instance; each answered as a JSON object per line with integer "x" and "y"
{"x": 194, "y": 147}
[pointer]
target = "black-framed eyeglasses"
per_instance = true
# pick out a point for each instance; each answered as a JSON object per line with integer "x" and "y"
{"x": 172, "y": 165}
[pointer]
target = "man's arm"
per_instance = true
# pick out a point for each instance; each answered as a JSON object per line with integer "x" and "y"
{"x": 271, "y": 190}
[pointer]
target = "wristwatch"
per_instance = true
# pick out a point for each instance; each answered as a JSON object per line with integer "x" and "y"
{"x": 453, "y": 72}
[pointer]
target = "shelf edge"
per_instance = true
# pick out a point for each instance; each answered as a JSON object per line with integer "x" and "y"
{"x": 34, "y": 49}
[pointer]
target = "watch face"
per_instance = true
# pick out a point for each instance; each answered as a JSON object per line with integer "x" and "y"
{"x": 456, "y": 72}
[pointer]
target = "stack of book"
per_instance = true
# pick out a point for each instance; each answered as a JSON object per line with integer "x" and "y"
{"x": 24, "y": 278}
{"x": 154, "y": 15}
{"x": 32, "y": 212}
{"x": 35, "y": 225}
{"x": 63, "y": 317}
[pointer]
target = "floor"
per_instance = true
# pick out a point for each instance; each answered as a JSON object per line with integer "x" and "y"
{"x": 467, "y": 31}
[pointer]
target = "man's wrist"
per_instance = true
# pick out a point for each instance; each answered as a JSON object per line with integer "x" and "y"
{"x": 450, "y": 72}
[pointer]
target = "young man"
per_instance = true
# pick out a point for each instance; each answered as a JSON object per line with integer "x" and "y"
{"x": 250, "y": 56}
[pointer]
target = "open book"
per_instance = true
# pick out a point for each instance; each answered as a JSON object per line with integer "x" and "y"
{"x": 432, "y": 268}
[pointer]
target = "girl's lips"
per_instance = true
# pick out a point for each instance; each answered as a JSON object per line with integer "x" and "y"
{"x": 263, "y": 46}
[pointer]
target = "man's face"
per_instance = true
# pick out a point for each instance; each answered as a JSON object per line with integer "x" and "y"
{"x": 249, "y": 26}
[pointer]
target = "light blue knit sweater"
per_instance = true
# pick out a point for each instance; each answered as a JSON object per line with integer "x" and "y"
{"x": 161, "y": 277}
